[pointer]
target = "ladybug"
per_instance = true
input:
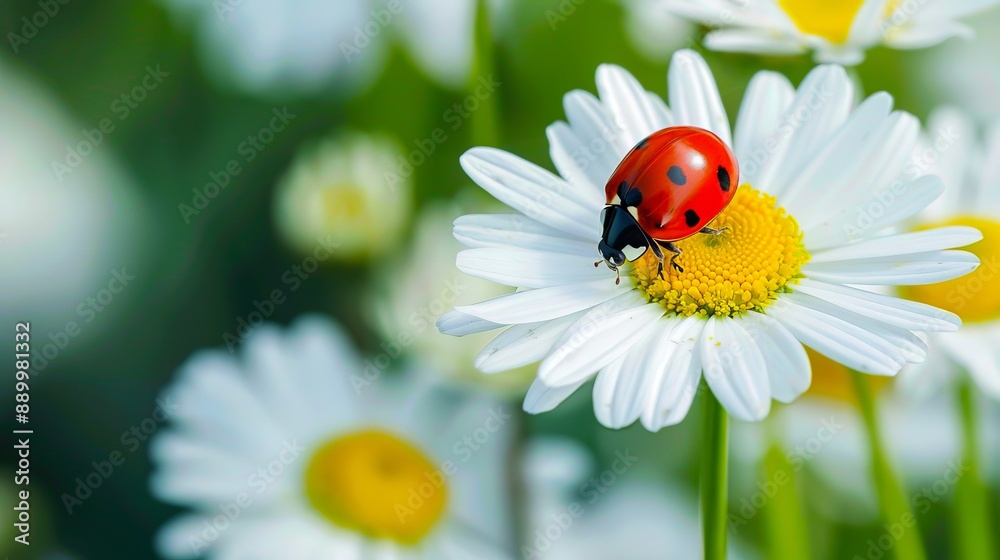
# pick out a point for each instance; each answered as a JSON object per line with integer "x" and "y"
{"x": 668, "y": 187}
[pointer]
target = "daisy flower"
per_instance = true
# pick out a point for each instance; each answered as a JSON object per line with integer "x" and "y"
{"x": 821, "y": 182}
{"x": 655, "y": 32}
{"x": 966, "y": 72}
{"x": 405, "y": 312}
{"x": 837, "y": 32}
{"x": 273, "y": 47}
{"x": 823, "y": 432}
{"x": 337, "y": 191}
{"x": 67, "y": 205}
{"x": 279, "y": 456}
{"x": 970, "y": 170}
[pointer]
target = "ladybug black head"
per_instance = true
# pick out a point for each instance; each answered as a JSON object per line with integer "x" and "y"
{"x": 623, "y": 239}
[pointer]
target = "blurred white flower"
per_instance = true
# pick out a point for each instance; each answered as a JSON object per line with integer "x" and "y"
{"x": 345, "y": 191}
{"x": 85, "y": 219}
{"x": 966, "y": 73}
{"x": 839, "y": 31}
{"x": 281, "y": 454}
{"x": 951, "y": 148}
{"x": 635, "y": 518}
{"x": 290, "y": 47}
{"x": 421, "y": 286}
{"x": 823, "y": 433}
{"x": 656, "y": 33}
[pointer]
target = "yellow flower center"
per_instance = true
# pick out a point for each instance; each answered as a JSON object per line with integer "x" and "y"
{"x": 830, "y": 19}
{"x": 344, "y": 204}
{"x": 377, "y": 484}
{"x": 974, "y": 297}
{"x": 832, "y": 380}
{"x": 744, "y": 268}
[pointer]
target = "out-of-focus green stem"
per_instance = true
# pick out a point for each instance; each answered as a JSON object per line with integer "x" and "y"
{"x": 899, "y": 521}
{"x": 972, "y": 537}
{"x": 485, "y": 118}
{"x": 714, "y": 477}
{"x": 784, "y": 516}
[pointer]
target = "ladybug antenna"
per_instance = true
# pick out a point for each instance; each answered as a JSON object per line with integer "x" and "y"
{"x": 597, "y": 264}
{"x": 618, "y": 277}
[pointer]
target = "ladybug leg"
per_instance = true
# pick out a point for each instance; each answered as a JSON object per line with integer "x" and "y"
{"x": 713, "y": 231}
{"x": 675, "y": 252}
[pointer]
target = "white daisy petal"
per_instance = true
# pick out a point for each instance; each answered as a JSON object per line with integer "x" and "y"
{"x": 543, "y": 398}
{"x": 599, "y": 136}
{"x": 937, "y": 239}
{"x": 575, "y": 160}
{"x": 629, "y": 104}
{"x": 599, "y": 337}
{"x": 522, "y": 344}
{"x": 544, "y": 304}
{"x": 901, "y": 270}
{"x": 923, "y": 36}
{"x": 766, "y": 100}
{"x": 529, "y": 268}
{"x": 456, "y": 323}
{"x": 788, "y": 369}
{"x": 620, "y": 390}
{"x": 694, "y": 96}
{"x": 978, "y": 351}
{"x": 891, "y": 310}
{"x": 735, "y": 369}
{"x": 533, "y": 191}
{"x": 885, "y": 208}
{"x": 517, "y": 231}
{"x": 673, "y": 383}
{"x": 606, "y": 386}
{"x": 752, "y": 41}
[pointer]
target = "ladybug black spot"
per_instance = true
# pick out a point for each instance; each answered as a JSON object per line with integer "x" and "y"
{"x": 628, "y": 195}
{"x": 676, "y": 175}
{"x": 691, "y": 218}
{"x": 724, "y": 179}
{"x": 642, "y": 144}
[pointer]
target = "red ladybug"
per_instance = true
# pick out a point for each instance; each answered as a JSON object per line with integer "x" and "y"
{"x": 668, "y": 187}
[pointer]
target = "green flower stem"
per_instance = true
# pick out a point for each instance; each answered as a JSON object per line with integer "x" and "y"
{"x": 714, "y": 472}
{"x": 784, "y": 516}
{"x": 972, "y": 537}
{"x": 485, "y": 119}
{"x": 898, "y": 519}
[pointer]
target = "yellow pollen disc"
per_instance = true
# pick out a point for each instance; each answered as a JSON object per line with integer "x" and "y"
{"x": 832, "y": 380}
{"x": 377, "y": 484}
{"x": 345, "y": 204}
{"x": 974, "y": 297}
{"x": 830, "y": 19}
{"x": 742, "y": 269}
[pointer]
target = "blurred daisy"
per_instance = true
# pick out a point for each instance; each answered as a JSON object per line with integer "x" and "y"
{"x": 838, "y": 32}
{"x": 280, "y": 457}
{"x": 406, "y": 311}
{"x": 569, "y": 516}
{"x": 966, "y": 72}
{"x": 271, "y": 47}
{"x": 801, "y": 234}
{"x": 823, "y": 431}
{"x": 345, "y": 190}
{"x": 656, "y": 33}
{"x": 61, "y": 211}
{"x": 970, "y": 170}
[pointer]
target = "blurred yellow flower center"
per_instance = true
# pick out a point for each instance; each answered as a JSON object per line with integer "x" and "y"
{"x": 974, "y": 297}
{"x": 831, "y": 379}
{"x": 742, "y": 269}
{"x": 377, "y": 484}
{"x": 343, "y": 203}
{"x": 830, "y": 19}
